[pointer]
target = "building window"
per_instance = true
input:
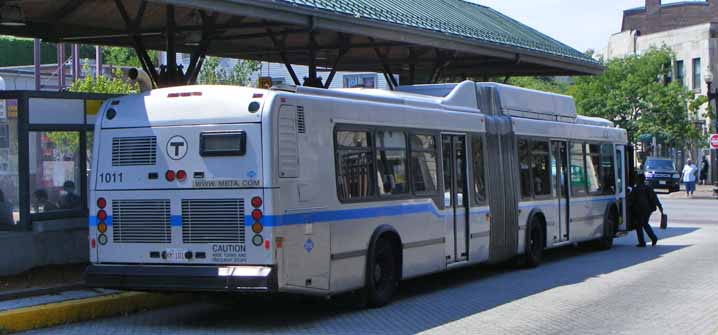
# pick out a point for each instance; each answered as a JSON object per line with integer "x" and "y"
{"x": 278, "y": 81}
{"x": 55, "y": 171}
{"x": 360, "y": 80}
{"x": 697, "y": 74}
{"x": 680, "y": 72}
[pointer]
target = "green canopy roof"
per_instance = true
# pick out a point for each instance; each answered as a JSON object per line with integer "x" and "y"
{"x": 456, "y": 17}
{"x": 416, "y": 39}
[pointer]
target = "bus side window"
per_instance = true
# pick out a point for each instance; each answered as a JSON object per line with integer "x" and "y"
{"x": 423, "y": 163}
{"x": 578, "y": 170}
{"x": 479, "y": 173}
{"x": 607, "y": 171}
{"x": 355, "y": 165}
{"x": 525, "y": 168}
{"x": 541, "y": 168}
{"x": 391, "y": 162}
{"x": 593, "y": 164}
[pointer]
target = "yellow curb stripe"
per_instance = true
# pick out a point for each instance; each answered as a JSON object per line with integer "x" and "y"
{"x": 48, "y": 315}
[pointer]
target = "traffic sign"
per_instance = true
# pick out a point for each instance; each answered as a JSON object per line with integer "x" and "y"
{"x": 714, "y": 141}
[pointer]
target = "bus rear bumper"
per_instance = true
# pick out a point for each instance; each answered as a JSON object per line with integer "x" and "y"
{"x": 243, "y": 279}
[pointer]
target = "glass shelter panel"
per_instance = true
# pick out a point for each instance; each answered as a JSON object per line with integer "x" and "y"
{"x": 9, "y": 173}
{"x": 55, "y": 175}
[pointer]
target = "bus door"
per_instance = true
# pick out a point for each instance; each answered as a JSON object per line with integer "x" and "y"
{"x": 456, "y": 197}
{"x": 559, "y": 151}
{"x": 621, "y": 185}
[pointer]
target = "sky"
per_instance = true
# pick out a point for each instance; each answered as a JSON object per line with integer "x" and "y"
{"x": 582, "y": 24}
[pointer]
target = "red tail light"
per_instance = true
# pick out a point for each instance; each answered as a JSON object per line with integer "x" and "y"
{"x": 101, "y": 203}
{"x": 170, "y": 175}
{"x": 256, "y": 214}
{"x": 102, "y": 215}
{"x": 181, "y": 175}
{"x": 256, "y": 202}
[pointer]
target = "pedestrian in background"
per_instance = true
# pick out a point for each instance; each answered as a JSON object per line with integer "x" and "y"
{"x": 689, "y": 177}
{"x": 643, "y": 201}
{"x": 704, "y": 170}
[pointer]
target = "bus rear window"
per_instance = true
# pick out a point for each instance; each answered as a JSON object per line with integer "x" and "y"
{"x": 223, "y": 144}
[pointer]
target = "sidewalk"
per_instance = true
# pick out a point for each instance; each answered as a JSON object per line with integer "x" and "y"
{"x": 702, "y": 192}
{"x": 77, "y": 304}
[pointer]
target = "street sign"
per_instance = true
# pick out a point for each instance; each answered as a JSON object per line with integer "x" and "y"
{"x": 714, "y": 141}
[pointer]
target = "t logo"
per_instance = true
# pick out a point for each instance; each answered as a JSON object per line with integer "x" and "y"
{"x": 177, "y": 147}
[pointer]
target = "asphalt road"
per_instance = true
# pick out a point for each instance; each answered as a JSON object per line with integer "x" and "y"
{"x": 668, "y": 289}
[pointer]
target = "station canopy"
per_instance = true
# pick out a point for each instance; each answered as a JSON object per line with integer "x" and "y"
{"x": 420, "y": 40}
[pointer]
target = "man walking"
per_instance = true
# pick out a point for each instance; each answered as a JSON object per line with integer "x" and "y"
{"x": 643, "y": 201}
{"x": 689, "y": 177}
{"x": 704, "y": 170}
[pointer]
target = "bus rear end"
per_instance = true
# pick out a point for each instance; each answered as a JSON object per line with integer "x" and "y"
{"x": 177, "y": 193}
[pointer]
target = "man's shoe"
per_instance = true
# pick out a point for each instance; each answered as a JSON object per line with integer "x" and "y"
{"x": 641, "y": 245}
{"x": 653, "y": 243}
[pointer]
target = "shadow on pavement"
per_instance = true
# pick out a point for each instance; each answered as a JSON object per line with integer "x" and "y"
{"x": 423, "y": 303}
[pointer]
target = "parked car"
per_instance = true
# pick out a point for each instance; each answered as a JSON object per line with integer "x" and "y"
{"x": 661, "y": 173}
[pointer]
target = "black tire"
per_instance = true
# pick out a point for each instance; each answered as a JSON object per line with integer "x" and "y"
{"x": 535, "y": 244}
{"x": 383, "y": 273}
{"x": 609, "y": 231}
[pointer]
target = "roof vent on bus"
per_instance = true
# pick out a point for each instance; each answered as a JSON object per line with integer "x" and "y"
{"x": 301, "y": 126}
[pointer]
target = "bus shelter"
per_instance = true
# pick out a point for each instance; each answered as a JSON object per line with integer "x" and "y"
{"x": 45, "y": 155}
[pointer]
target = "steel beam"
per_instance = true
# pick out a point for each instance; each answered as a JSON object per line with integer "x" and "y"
{"x": 280, "y": 44}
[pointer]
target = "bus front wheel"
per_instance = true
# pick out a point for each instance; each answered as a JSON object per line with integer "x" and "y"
{"x": 382, "y": 273}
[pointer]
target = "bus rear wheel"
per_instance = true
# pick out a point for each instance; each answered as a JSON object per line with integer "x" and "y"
{"x": 609, "y": 230}
{"x": 382, "y": 273}
{"x": 535, "y": 244}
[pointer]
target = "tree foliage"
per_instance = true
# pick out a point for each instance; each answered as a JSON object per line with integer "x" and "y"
{"x": 633, "y": 92}
{"x": 124, "y": 56}
{"x": 545, "y": 84}
{"x": 103, "y": 84}
{"x": 240, "y": 75}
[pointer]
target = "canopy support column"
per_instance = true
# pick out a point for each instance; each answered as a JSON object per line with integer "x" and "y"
{"x": 279, "y": 44}
{"x": 132, "y": 26}
{"x": 199, "y": 54}
{"x": 390, "y": 79}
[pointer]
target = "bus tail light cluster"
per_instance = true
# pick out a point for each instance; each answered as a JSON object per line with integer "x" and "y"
{"x": 257, "y": 226}
{"x": 180, "y": 175}
{"x": 101, "y": 222}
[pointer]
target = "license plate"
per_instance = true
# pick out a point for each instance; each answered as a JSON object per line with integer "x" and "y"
{"x": 175, "y": 255}
{"x": 661, "y": 182}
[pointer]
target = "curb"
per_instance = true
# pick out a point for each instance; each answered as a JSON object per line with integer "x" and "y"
{"x": 53, "y": 314}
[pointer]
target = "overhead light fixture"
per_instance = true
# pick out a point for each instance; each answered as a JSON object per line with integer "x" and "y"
{"x": 192, "y": 39}
{"x": 12, "y": 16}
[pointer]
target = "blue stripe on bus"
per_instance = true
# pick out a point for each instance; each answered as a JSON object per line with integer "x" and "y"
{"x": 349, "y": 214}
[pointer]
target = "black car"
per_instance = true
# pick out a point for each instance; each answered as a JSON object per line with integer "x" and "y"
{"x": 661, "y": 173}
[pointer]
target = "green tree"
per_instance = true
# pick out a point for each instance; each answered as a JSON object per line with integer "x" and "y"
{"x": 545, "y": 84}
{"x": 110, "y": 85}
{"x": 124, "y": 56}
{"x": 633, "y": 93}
{"x": 240, "y": 75}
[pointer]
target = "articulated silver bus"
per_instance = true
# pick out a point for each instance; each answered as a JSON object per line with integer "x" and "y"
{"x": 322, "y": 192}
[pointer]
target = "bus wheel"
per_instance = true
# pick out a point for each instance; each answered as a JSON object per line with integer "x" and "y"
{"x": 535, "y": 244}
{"x": 609, "y": 226}
{"x": 383, "y": 273}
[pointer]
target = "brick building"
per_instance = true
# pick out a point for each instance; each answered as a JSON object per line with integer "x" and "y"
{"x": 690, "y": 29}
